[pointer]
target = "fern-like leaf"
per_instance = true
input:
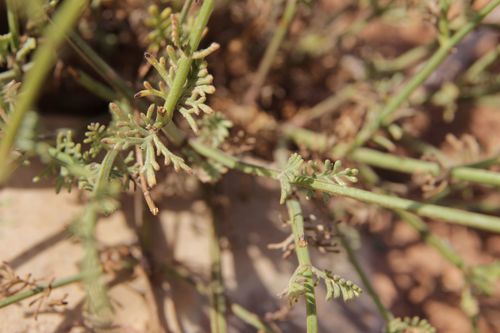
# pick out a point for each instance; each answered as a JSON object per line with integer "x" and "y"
{"x": 337, "y": 286}
{"x": 289, "y": 174}
{"x": 296, "y": 171}
{"x": 215, "y": 129}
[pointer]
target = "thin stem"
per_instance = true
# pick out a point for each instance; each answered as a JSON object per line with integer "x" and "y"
{"x": 419, "y": 78}
{"x": 13, "y": 21}
{"x": 477, "y": 69}
{"x": 402, "y": 61}
{"x": 217, "y": 300}
{"x": 12, "y": 73}
{"x": 412, "y": 166}
{"x": 184, "y": 64}
{"x": 271, "y": 51}
{"x": 437, "y": 243}
{"x": 359, "y": 25}
{"x": 443, "y": 24}
{"x": 20, "y": 296}
{"x": 44, "y": 59}
{"x": 185, "y": 10}
{"x": 95, "y": 87}
{"x": 471, "y": 173}
{"x": 297, "y": 222}
{"x": 327, "y": 106}
{"x": 452, "y": 215}
{"x": 143, "y": 183}
{"x": 250, "y": 318}
{"x": 118, "y": 83}
{"x": 384, "y": 312}
{"x": 101, "y": 67}
{"x": 238, "y": 310}
{"x": 95, "y": 287}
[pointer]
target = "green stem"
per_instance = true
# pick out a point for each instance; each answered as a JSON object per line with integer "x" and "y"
{"x": 471, "y": 173}
{"x": 95, "y": 87}
{"x": 13, "y": 21}
{"x": 297, "y": 222}
{"x": 237, "y": 309}
{"x": 419, "y": 78}
{"x": 185, "y": 10}
{"x": 401, "y": 62}
{"x": 95, "y": 287}
{"x": 452, "y": 215}
{"x": 412, "y": 166}
{"x": 101, "y": 67}
{"x": 384, "y": 312}
{"x": 184, "y": 64}
{"x": 12, "y": 73}
{"x": 118, "y": 83}
{"x": 443, "y": 24}
{"x": 272, "y": 50}
{"x": 250, "y": 318}
{"x": 217, "y": 300}
{"x": 44, "y": 59}
{"x": 327, "y": 106}
{"x": 425, "y": 233}
{"x": 20, "y": 296}
{"x": 477, "y": 69}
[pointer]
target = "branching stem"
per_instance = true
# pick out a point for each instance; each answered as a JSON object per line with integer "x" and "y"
{"x": 271, "y": 51}
{"x": 95, "y": 287}
{"x": 217, "y": 299}
{"x": 297, "y": 223}
{"x": 185, "y": 62}
{"x": 452, "y": 215}
{"x": 470, "y": 173}
{"x": 419, "y": 78}
{"x": 12, "y": 19}
{"x": 20, "y": 296}
{"x": 384, "y": 312}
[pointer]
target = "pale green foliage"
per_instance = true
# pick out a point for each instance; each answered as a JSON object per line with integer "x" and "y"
{"x": 76, "y": 163}
{"x": 289, "y": 174}
{"x": 19, "y": 55}
{"x": 215, "y": 129}
{"x": 170, "y": 39}
{"x": 336, "y": 286}
{"x": 5, "y": 43}
{"x": 406, "y": 325}
{"x": 68, "y": 155}
{"x": 483, "y": 277}
{"x": 198, "y": 86}
{"x": 7, "y": 99}
{"x": 128, "y": 130}
{"x": 96, "y": 132}
{"x": 296, "y": 288}
{"x": 160, "y": 24}
{"x": 25, "y": 140}
{"x": 194, "y": 96}
{"x": 446, "y": 98}
{"x": 298, "y": 172}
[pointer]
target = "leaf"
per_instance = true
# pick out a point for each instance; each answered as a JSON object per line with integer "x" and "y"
{"x": 296, "y": 171}
{"x": 289, "y": 174}
{"x": 215, "y": 129}
{"x": 337, "y": 286}
{"x": 177, "y": 161}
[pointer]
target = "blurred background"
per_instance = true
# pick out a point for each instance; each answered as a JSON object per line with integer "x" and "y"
{"x": 339, "y": 60}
